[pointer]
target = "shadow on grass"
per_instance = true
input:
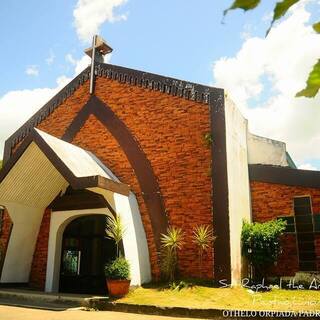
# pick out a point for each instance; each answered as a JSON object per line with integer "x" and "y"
{"x": 179, "y": 284}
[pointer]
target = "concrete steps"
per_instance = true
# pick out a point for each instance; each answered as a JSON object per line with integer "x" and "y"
{"x": 43, "y": 300}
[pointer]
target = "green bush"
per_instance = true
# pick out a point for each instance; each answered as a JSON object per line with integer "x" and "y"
{"x": 118, "y": 269}
{"x": 261, "y": 243}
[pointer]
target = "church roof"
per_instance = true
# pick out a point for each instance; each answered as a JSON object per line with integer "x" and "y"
{"x": 79, "y": 168}
{"x": 166, "y": 85}
{"x": 79, "y": 161}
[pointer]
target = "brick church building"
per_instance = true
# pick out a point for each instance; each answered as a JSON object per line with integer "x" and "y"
{"x": 158, "y": 152}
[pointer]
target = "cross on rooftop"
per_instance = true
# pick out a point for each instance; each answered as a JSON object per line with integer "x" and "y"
{"x": 96, "y": 52}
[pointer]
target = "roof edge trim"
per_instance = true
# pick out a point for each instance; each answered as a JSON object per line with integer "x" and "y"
{"x": 44, "y": 112}
{"x": 284, "y": 175}
{"x": 175, "y": 87}
{"x": 172, "y": 86}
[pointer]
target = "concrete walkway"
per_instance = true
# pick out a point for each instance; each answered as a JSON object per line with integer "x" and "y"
{"x": 17, "y": 313}
{"x": 26, "y": 293}
{"x": 51, "y": 301}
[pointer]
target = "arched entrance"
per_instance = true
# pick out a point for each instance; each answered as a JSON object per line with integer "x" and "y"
{"x": 85, "y": 250}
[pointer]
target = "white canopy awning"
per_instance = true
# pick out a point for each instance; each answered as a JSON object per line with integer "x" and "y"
{"x": 45, "y": 165}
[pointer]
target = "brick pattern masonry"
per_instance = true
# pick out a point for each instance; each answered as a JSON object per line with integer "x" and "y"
{"x": 270, "y": 201}
{"x": 4, "y": 235}
{"x": 39, "y": 264}
{"x": 170, "y": 131}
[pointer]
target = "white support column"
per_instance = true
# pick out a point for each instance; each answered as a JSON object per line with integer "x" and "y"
{"x": 18, "y": 260}
{"x": 238, "y": 184}
{"x": 134, "y": 240}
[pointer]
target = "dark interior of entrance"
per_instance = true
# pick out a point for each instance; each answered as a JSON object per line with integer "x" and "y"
{"x": 85, "y": 251}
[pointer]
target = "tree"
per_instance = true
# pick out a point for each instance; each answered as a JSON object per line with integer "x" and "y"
{"x": 280, "y": 9}
{"x": 260, "y": 244}
{"x": 0, "y": 164}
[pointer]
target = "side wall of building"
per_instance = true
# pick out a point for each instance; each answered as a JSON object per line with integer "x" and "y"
{"x": 262, "y": 150}
{"x": 238, "y": 184}
{"x": 271, "y": 201}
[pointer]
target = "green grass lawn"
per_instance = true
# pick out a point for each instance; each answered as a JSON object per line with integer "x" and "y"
{"x": 226, "y": 298}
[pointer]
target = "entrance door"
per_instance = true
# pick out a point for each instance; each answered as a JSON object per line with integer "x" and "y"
{"x": 85, "y": 251}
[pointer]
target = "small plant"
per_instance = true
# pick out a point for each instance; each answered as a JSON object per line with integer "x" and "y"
{"x": 118, "y": 269}
{"x": 207, "y": 138}
{"x": 117, "y": 272}
{"x": 261, "y": 244}
{"x": 171, "y": 243}
{"x": 115, "y": 230}
{"x": 178, "y": 286}
{"x": 203, "y": 238}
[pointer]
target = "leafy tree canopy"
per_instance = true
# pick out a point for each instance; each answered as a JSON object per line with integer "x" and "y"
{"x": 280, "y": 9}
{"x": 260, "y": 243}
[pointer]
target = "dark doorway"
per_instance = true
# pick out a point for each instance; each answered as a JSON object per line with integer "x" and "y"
{"x": 85, "y": 251}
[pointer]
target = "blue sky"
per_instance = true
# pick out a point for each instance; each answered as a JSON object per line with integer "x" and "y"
{"x": 172, "y": 37}
{"x": 41, "y": 43}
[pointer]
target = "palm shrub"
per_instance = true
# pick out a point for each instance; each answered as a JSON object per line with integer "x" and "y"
{"x": 115, "y": 230}
{"x": 171, "y": 243}
{"x": 203, "y": 238}
{"x": 260, "y": 244}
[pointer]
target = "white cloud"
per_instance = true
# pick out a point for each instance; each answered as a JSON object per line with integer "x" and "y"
{"x": 307, "y": 166}
{"x": 32, "y": 70}
{"x": 89, "y": 15}
{"x": 50, "y": 58}
{"x": 79, "y": 65}
{"x": 17, "y": 106}
{"x": 63, "y": 81}
{"x": 268, "y": 17}
{"x": 82, "y": 63}
{"x": 70, "y": 59}
{"x": 246, "y": 32}
{"x": 285, "y": 58}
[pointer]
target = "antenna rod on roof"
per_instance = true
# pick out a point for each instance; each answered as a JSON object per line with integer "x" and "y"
{"x": 96, "y": 52}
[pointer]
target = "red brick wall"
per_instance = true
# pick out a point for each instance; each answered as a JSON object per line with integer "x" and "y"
{"x": 288, "y": 263}
{"x": 170, "y": 131}
{"x": 270, "y": 201}
{"x": 317, "y": 247}
{"x": 37, "y": 277}
{"x": 4, "y": 235}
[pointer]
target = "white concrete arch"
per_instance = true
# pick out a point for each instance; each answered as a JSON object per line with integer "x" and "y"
{"x": 134, "y": 240}
{"x": 45, "y": 168}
